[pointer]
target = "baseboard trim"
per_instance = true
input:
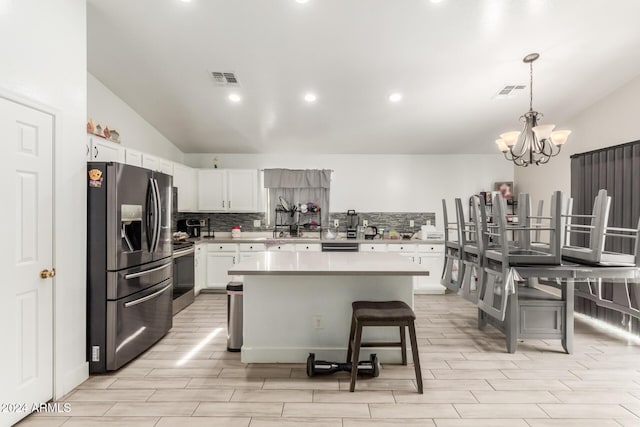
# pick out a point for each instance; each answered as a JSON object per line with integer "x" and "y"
{"x": 68, "y": 381}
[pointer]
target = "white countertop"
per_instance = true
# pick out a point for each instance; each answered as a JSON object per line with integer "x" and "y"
{"x": 328, "y": 264}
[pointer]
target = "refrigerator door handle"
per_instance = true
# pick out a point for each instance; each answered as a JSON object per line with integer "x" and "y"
{"x": 148, "y": 297}
{"x": 150, "y": 215}
{"x": 142, "y": 273}
{"x": 158, "y": 214}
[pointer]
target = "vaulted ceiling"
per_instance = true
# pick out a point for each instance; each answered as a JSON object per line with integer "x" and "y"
{"x": 448, "y": 59}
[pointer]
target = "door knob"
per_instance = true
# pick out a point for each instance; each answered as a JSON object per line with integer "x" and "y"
{"x": 46, "y": 274}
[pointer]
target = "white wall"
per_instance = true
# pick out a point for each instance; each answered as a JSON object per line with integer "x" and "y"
{"x": 43, "y": 48}
{"x": 106, "y": 108}
{"x": 383, "y": 183}
{"x": 611, "y": 121}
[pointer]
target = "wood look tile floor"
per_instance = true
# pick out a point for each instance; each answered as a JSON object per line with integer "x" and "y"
{"x": 189, "y": 379}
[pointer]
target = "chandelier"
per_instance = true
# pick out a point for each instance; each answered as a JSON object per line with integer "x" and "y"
{"x": 536, "y": 144}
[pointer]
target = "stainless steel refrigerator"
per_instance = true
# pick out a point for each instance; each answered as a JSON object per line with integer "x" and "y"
{"x": 129, "y": 264}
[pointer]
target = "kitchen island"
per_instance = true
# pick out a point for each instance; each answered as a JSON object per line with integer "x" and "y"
{"x": 297, "y": 303}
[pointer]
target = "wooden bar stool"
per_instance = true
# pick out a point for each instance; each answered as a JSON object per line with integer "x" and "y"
{"x": 382, "y": 313}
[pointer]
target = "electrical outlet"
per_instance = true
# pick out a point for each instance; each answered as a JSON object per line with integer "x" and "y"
{"x": 411, "y": 223}
{"x": 95, "y": 353}
{"x": 317, "y": 322}
{"x": 428, "y": 222}
{"x": 336, "y": 223}
{"x": 256, "y": 223}
{"x": 365, "y": 223}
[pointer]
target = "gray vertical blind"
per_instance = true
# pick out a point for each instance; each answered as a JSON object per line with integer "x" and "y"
{"x": 616, "y": 169}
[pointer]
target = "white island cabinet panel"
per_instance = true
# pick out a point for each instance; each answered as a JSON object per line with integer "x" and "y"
{"x": 297, "y": 303}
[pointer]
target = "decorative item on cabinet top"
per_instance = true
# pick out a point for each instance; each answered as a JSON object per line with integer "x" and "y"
{"x": 103, "y": 131}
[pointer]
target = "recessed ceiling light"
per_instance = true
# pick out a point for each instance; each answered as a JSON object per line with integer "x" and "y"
{"x": 395, "y": 97}
{"x": 437, "y": 1}
{"x": 185, "y": 1}
{"x": 302, "y": 1}
{"x": 310, "y": 97}
{"x": 234, "y": 97}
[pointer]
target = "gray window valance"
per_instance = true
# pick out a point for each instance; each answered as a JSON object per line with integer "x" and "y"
{"x": 296, "y": 178}
{"x": 298, "y": 187}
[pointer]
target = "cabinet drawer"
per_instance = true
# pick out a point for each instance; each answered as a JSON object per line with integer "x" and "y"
{"x": 431, "y": 248}
{"x": 373, "y": 247}
{"x": 308, "y": 247}
{"x": 402, "y": 248}
{"x": 222, "y": 247}
{"x": 252, "y": 247}
{"x": 282, "y": 248}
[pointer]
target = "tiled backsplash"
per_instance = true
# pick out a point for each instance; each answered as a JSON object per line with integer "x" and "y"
{"x": 387, "y": 220}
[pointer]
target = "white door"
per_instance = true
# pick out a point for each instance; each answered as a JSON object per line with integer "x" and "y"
{"x": 26, "y": 299}
{"x": 186, "y": 180}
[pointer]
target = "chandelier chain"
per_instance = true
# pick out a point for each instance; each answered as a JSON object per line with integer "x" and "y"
{"x": 531, "y": 86}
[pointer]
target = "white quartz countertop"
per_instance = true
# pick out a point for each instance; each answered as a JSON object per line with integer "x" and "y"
{"x": 328, "y": 264}
{"x": 293, "y": 240}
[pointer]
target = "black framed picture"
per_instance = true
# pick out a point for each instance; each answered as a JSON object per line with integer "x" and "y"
{"x": 505, "y": 188}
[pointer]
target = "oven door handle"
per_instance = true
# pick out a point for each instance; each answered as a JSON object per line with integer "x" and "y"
{"x": 178, "y": 254}
{"x": 147, "y": 298}
{"x": 142, "y": 273}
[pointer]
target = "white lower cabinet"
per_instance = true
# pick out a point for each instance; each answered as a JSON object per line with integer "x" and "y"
{"x": 432, "y": 257}
{"x": 220, "y": 258}
{"x": 287, "y": 247}
{"x": 308, "y": 247}
{"x": 200, "y": 265}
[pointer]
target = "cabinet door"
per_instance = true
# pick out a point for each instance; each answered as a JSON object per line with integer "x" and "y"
{"x": 165, "y": 166}
{"x": 430, "y": 284}
{"x": 212, "y": 190}
{"x": 217, "y": 266}
{"x": 133, "y": 157}
{"x": 200, "y": 265}
{"x": 186, "y": 179}
{"x": 242, "y": 190}
{"x": 105, "y": 151}
{"x": 150, "y": 162}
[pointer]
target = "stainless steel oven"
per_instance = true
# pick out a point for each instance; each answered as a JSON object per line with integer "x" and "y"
{"x": 183, "y": 275}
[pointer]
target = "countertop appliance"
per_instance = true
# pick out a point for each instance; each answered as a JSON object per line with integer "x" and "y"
{"x": 129, "y": 262}
{"x": 191, "y": 226}
{"x": 352, "y": 224}
{"x": 370, "y": 232}
{"x": 183, "y": 275}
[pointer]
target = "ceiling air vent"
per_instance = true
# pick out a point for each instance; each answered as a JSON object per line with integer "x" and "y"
{"x": 509, "y": 91}
{"x": 224, "y": 78}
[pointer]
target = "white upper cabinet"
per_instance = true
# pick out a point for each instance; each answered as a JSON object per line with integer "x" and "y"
{"x": 165, "y": 166}
{"x": 228, "y": 190}
{"x": 150, "y": 162}
{"x": 242, "y": 193}
{"x": 212, "y": 190}
{"x": 186, "y": 179}
{"x": 133, "y": 157}
{"x": 101, "y": 150}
